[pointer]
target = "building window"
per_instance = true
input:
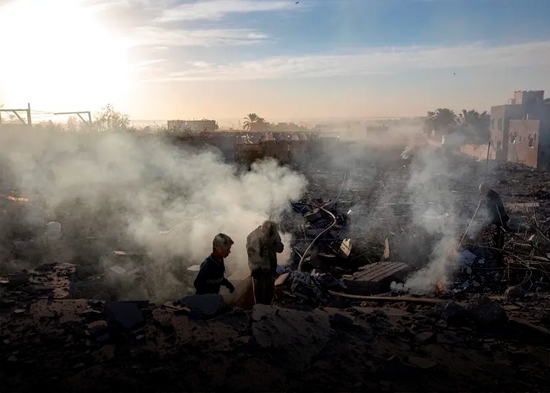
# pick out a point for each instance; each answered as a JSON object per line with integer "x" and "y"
{"x": 512, "y": 137}
{"x": 492, "y": 123}
{"x": 500, "y": 124}
{"x": 531, "y": 141}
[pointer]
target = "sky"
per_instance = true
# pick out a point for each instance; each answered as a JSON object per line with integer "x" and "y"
{"x": 284, "y": 60}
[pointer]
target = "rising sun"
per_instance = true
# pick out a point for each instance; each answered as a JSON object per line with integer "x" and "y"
{"x": 57, "y": 54}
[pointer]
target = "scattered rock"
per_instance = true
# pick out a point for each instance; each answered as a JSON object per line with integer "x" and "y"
{"x": 424, "y": 364}
{"x": 12, "y": 359}
{"x": 17, "y": 280}
{"x": 516, "y": 292}
{"x": 340, "y": 319}
{"x": 103, "y": 338}
{"x": 450, "y": 311}
{"x": 208, "y": 306}
{"x": 424, "y": 337}
{"x": 447, "y": 339}
{"x": 486, "y": 313}
{"x": 97, "y": 328}
{"x": 6, "y": 303}
{"x": 124, "y": 314}
{"x": 106, "y": 353}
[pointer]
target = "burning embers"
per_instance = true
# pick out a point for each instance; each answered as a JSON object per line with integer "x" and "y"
{"x": 17, "y": 199}
{"x": 440, "y": 290}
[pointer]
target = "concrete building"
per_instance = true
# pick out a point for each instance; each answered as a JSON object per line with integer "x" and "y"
{"x": 520, "y": 130}
{"x": 193, "y": 125}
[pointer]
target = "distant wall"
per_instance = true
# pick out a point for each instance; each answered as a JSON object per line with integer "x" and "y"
{"x": 478, "y": 151}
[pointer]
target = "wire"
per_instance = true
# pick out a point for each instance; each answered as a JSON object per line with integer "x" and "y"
{"x": 319, "y": 235}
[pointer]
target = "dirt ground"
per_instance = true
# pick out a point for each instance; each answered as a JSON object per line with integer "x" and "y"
{"x": 51, "y": 343}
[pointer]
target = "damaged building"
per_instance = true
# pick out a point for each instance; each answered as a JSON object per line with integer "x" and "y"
{"x": 520, "y": 130}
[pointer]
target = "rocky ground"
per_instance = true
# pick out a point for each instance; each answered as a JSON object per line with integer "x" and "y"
{"x": 488, "y": 331}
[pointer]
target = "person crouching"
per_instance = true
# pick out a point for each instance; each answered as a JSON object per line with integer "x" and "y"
{"x": 212, "y": 271}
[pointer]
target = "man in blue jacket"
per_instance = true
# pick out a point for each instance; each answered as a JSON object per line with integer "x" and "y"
{"x": 212, "y": 271}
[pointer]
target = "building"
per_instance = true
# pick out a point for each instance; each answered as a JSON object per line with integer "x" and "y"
{"x": 520, "y": 130}
{"x": 193, "y": 125}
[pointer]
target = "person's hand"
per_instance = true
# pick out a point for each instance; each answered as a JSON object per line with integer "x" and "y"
{"x": 230, "y": 287}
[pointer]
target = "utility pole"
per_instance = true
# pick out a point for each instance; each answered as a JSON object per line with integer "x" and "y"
{"x": 16, "y": 113}
{"x": 29, "y": 119}
{"x": 79, "y": 114}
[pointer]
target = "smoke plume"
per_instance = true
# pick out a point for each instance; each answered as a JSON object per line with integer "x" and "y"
{"x": 167, "y": 202}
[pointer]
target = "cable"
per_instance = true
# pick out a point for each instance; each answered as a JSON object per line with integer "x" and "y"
{"x": 319, "y": 235}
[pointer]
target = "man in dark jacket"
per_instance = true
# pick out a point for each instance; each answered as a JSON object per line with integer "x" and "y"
{"x": 212, "y": 271}
{"x": 262, "y": 246}
{"x": 497, "y": 216}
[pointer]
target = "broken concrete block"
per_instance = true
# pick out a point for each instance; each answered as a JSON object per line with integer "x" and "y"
{"x": 377, "y": 277}
{"x": 486, "y": 313}
{"x": 209, "y": 306}
{"x": 126, "y": 315}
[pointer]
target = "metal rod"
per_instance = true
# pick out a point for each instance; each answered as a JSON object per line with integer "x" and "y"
{"x": 487, "y": 161}
{"x": 468, "y": 228}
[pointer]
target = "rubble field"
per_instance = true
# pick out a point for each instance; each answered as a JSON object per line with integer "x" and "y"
{"x": 336, "y": 325}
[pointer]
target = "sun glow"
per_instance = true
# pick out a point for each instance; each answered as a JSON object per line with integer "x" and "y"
{"x": 57, "y": 55}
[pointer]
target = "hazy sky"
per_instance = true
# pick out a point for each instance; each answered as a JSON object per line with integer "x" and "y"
{"x": 160, "y": 59}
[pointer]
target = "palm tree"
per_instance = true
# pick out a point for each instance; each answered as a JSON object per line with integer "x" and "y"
{"x": 254, "y": 123}
{"x": 476, "y": 125}
{"x": 442, "y": 121}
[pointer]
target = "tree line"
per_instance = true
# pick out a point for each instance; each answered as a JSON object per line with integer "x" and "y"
{"x": 472, "y": 124}
{"x": 254, "y": 123}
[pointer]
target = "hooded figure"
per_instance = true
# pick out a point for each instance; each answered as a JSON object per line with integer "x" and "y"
{"x": 262, "y": 246}
{"x": 497, "y": 216}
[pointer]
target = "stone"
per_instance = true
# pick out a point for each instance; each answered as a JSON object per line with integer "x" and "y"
{"x": 6, "y": 303}
{"x": 125, "y": 314}
{"x": 340, "y": 319}
{"x": 17, "y": 280}
{"x": 424, "y": 364}
{"x": 486, "y": 313}
{"x": 106, "y": 353}
{"x": 424, "y": 337}
{"x": 12, "y": 359}
{"x": 97, "y": 328}
{"x": 208, "y": 306}
{"x": 515, "y": 292}
{"x": 450, "y": 311}
{"x": 103, "y": 338}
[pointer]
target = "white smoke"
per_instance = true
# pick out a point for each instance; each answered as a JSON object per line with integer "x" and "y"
{"x": 168, "y": 201}
{"x": 435, "y": 210}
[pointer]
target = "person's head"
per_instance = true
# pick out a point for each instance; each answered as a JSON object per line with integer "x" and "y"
{"x": 221, "y": 245}
{"x": 483, "y": 189}
{"x": 269, "y": 228}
